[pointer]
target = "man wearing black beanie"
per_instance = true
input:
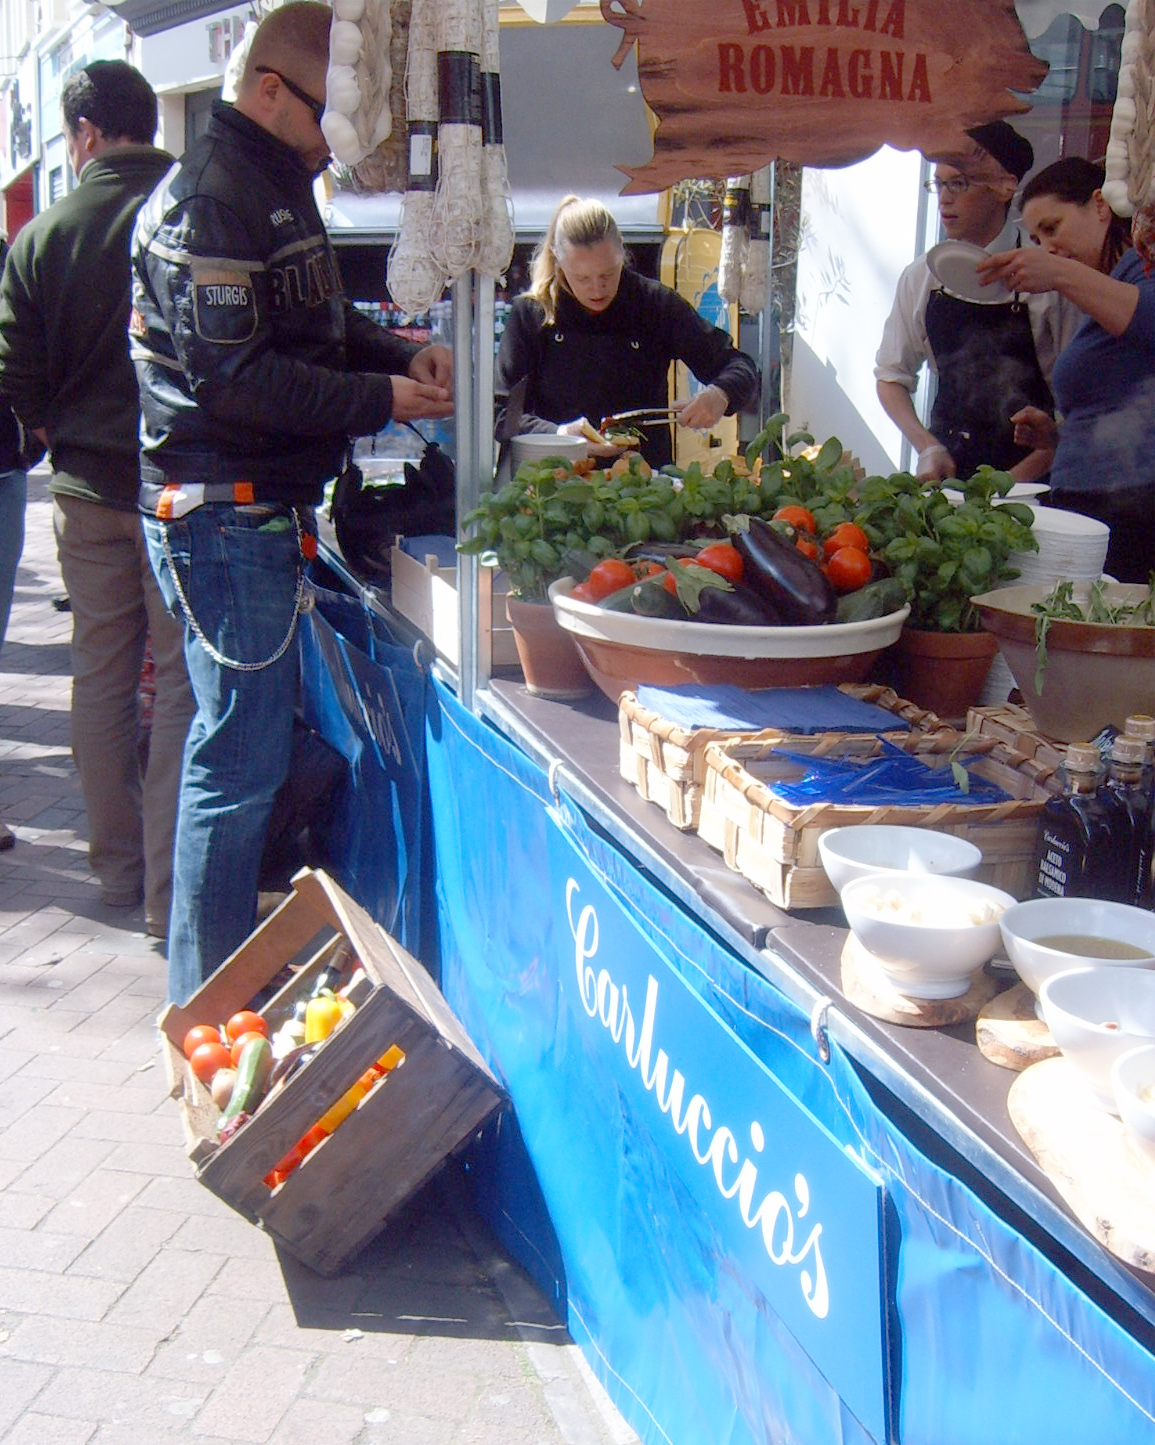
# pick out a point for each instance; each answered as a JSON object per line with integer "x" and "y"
{"x": 985, "y": 356}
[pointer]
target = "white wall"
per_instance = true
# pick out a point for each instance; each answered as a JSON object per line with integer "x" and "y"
{"x": 860, "y": 226}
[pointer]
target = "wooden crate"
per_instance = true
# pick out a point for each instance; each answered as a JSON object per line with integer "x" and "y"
{"x": 666, "y": 762}
{"x": 339, "y": 1197}
{"x": 775, "y": 845}
{"x": 426, "y": 594}
{"x": 1012, "y": 724}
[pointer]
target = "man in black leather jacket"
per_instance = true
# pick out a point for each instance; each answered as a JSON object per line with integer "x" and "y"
{"x": 254, "y": 371}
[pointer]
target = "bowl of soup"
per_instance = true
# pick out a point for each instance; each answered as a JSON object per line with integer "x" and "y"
{"x": 1044, "y": 936}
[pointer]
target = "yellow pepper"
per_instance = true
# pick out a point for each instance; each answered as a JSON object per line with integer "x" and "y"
{"x": 322, "y": 1016}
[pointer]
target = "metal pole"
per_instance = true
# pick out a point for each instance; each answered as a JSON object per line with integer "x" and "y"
{"x": 465, "y": 465}
{"x": 769, "y": 350}
{"x": 485, "y": 460}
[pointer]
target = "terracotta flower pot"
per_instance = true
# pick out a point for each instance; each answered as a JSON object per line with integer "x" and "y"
{"x": 944, "y": 671}
{"x": 551, "y": 663}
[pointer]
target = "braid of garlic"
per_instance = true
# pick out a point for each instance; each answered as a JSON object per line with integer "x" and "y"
{"x": 497, "y": 234}
{"x": 734, "y": 237}
{"x": 755, "y": 290}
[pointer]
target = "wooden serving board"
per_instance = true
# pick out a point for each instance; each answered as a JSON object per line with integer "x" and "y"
{"x": 1088, "y": 1157}
{"x": 1010, "y": 1033}
{"x": 866, "y": 986}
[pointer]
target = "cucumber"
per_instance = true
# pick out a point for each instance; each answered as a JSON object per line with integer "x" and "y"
{"x": 650, "y": 599}
{"x": 876, "y": 599}
{"x": 253, "y": 1070}
{"x": 620, "y": 601}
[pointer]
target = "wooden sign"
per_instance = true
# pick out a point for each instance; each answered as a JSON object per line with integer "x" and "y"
{"x": 736, "y": 83}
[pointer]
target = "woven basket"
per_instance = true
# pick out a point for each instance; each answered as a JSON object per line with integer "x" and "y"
{"x": 1012, "y": 724}
{"x": 666, "y": 762}
{"x": 775, "y": 845}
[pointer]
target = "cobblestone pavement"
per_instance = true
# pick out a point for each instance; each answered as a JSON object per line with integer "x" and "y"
{"x": 135, "y": 1307}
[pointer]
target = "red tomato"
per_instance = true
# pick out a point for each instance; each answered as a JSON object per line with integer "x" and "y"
{"x": 207, "y": 1059}
{"x": 807, "y": 546}
{"x": 582, "y": 592}
{"x": 668, "y": 580}
{"x": 797, "y": 516}
{"x": 643, "y": 570}
{"x": 610, "y": 575}
{"x": 200, "y": 1034}
{"x": 243, "y": 1023}
{"x": 846, "y": 534}
{"x": 723, "y": 558}
{"x": 848, "y": 569}
{"x": 239, "y": 1043}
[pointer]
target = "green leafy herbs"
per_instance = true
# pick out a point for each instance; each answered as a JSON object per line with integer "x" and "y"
{"x": 1061, "y": 605}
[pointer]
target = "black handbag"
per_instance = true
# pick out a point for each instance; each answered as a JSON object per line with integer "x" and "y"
{"x": 368, "y": 519}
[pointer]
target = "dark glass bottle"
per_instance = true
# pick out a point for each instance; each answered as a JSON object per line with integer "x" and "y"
{"x": 1124, "y": 793}
{"x": 1075, "y": 856}
{"x": 1142, "y": 725}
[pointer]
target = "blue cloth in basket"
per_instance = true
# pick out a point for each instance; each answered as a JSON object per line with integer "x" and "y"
{"x": 793, "y": 709}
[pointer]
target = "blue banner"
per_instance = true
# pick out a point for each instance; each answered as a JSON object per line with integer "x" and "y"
{"x": 702, "y": 1326}
{"x": 373, "y": 712}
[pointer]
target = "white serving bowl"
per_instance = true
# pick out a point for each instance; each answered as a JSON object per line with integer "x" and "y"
{"x": 621, "y": 650}
{"x": 1097, "y": 1014}
{"x": 1132, "y": 1076}
{"x": 852, "y": 852}
{"x": 936, "y": 953}
{"x": 1026, "y": 923}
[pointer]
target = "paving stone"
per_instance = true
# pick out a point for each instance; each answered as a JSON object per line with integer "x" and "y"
{"x": 118, "y": 1398}
{"x": 95, "y": 1202}
{"x": 91, "y": 1344}
{"x": 165, "y": 1289}
{"x": 232, "y": 1235}
{"x": 397, "y": 1427}
{"x": 143, "y": 1157}
{"x": 20, "y": 1383}
{"x": 32, "y": 1135}
{"x": 251, "y": 1399}
{"x": 127, "y": 1245}
{"x": 23, "y": 1211}
{"x": 439, "y": 1394}
{"x": 311, "y": 1422}
{"x": 211, "y": 1336}
{"x": 37, "y": 1429}
{"x": 63, "y": 1167}
{"x": 64, "y": 1296}
{"x": 38, "y": 1249}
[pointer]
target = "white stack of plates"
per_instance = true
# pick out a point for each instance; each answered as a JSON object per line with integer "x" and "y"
{"x": 1071, "y": 548}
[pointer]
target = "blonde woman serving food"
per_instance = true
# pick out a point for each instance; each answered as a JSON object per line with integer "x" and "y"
{"x": 592, "y": 339}
{"x": 1104, "y": 380}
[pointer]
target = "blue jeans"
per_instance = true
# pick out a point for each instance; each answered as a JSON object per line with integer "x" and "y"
{"x": 13, "y": 497}
{"x": 238, "y": 567}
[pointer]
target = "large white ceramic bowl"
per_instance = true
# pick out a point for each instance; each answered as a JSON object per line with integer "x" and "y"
{"x": 621, "y": 650}
{"x": 1069, "y": 924}
{"x": 1096, "y": 673}
{"x": 1133, "y": 1088}
{"x": 1095, "y": 1015}
{"x": 929, "y": 934}
{"x": 849, "y": 853}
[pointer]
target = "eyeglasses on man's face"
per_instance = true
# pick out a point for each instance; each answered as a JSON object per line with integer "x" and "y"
{"x": 954, "y": 186}
{"x": 316, "y": 106}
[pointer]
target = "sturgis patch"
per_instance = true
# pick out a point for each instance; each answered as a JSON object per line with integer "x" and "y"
{"x": 224, "y": 305}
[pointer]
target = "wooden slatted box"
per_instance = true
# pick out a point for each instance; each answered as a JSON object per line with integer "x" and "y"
{"x": 667, "y": 762}
{"x": 775, "y": 844}
{"x": 339, "y": 1197}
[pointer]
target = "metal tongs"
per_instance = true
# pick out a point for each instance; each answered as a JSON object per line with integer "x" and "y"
{"x": 641, "y": 416}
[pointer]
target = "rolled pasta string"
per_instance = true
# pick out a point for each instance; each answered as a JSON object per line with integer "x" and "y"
{"x": 456, "y": 223}
{"x": 414, "y": 279}
{"x": 734, "y": 237}
{"x": 497, "y": 235}
{"x": 755, "y": 288}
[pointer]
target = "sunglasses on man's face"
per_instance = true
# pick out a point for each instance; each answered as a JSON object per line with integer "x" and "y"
{"x": 316, "y": 106}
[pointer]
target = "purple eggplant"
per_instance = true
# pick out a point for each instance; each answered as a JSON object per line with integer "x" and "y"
{"x": 790, "y": 582}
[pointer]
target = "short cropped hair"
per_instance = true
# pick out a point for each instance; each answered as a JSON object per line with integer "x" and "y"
{"x": 114, "y": 97}
{"x": 296, "y": 32}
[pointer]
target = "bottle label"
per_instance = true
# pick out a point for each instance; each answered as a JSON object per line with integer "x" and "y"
{"x": 1054, "y": 872}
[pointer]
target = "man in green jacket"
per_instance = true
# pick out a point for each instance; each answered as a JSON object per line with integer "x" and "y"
{"x": 65, "y": 369}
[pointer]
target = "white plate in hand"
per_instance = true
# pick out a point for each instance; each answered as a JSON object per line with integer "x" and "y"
{"x": 953, "y": 263}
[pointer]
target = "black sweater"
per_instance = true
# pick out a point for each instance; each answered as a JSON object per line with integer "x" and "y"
{"x": 594, "y": 365}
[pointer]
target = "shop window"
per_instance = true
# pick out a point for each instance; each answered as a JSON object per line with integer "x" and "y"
{"x": 1070, "y": 112}
{"x": 55, "y": 184}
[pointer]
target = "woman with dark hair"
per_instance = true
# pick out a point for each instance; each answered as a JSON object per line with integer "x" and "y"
{"x": 1104, "y": 381}
{"x": 591, "y": 338}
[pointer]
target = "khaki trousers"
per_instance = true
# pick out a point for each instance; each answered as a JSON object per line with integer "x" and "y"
{"x": 115, "y": 605}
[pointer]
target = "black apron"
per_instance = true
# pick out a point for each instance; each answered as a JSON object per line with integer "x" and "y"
{"x": 987, "y": 370}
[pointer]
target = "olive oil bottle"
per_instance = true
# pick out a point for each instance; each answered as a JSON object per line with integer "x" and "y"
{"x": 1076, "y": 853}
